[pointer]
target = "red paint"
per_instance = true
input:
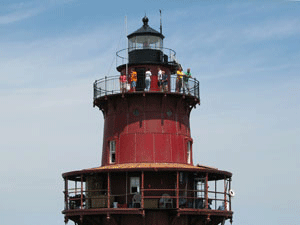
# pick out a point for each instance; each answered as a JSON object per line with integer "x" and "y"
{"x": 143, "y": 129}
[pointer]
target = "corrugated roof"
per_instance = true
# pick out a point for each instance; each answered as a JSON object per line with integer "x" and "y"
{"x": 147, "y": 167}
{"x": 150, "y": 165}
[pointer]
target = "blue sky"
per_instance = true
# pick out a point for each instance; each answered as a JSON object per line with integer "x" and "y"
{"x": 245, "y": 54}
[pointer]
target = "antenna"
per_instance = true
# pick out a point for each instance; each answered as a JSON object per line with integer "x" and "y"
{"x": 126, "y": 31}
{"x": 160, "y": 22}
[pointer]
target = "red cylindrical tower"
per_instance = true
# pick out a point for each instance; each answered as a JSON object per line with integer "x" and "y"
{"x": 147, "y": 173}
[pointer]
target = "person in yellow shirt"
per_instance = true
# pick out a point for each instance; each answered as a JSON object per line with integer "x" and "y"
{"x": 133, "y": 79}
{"x": 179, "y": 79}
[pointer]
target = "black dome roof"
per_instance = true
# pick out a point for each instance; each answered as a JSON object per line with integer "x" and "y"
{"x": 146, "y": 30}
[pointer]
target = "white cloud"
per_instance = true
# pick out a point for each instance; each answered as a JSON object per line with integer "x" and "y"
{"x": 21, "y": 11}
{"x": 53, "y": 60}
{"x": 20, "y": 15}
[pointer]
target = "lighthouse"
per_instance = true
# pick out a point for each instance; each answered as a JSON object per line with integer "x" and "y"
{"x": 147, "y": 175}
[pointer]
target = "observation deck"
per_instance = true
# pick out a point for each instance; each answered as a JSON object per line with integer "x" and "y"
{"x": 111, "y": 86}
{"x": 106, "y": 190}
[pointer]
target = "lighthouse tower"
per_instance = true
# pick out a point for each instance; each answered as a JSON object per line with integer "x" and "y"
{"x": 147, "y": 175}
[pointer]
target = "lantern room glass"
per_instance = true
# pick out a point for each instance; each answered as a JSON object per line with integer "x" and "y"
{"x": 145, "y": 42}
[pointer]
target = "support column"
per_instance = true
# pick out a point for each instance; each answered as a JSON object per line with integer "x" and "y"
{"x": 177, "y": 190}
{"x": 126, "y": 188}
{"x": 75, "y": 187}
{"x": 206, "y": 191}
{"x": 66, "y": 193}
{"x": 230, "y": 195}
{"x": 142, "y": 190}
{"x": 225, "y": 199}
{"x": 215, "y": 194}
{"x": 81, "y": 193}
{"x": 108, "y": 190}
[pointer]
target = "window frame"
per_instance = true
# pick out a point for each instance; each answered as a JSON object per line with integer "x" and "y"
{"x": 112, "y": 151}
{"x": 135, "y": 182}
{"x": 189, "y": 151}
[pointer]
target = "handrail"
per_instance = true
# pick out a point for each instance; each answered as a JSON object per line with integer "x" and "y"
{"x": 111, "y": 85}
{"x": 193, "y": 202}
{"x": 122, "y": 57}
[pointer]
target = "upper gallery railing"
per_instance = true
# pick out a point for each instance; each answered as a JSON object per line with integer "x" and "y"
{"x": 122, "y": 55}
{"x": 111, "y": 85}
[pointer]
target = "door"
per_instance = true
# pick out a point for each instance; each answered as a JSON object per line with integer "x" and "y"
{"x": 140, "y": 85}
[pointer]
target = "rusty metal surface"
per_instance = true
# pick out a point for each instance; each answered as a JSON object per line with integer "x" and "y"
{"x": 102, "y": 211}
{"x": 155, "y": 132}
{"x": 147, "y": 167}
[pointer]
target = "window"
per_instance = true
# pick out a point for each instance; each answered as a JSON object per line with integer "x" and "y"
{"x": 189, "y": 155}
{"x": 112, "y": 150}
{"x": 145, "y": 41}
{"x": 200, "y": 187}
{"x": 134, "y": 185}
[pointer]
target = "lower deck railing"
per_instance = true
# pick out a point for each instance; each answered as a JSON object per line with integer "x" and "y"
{"x": 124, "y": 190}
{"x": 164, "y": 199}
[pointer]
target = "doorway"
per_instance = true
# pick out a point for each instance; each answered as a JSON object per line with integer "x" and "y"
{"x": 140, "y": 85}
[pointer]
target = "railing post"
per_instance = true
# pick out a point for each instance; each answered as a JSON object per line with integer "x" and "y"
{"x": 75, "y": 187}
{"x": 95, "y": 95}
{"x": 177, "y": 190}
{"x": 225, "y": 199}
{"x": 126, "y": 187}
{"x": 66, "y": 193}
{"x": 198, "y": 89}
{"x": 206, "y": 191}
{"x": 105, "y": 85}
{"x": 195, "y": 87}
{"x": 81, "y": 193}
{"x": 108, "y": 190}
{"x": 142, "y": 189}
{"x": 215, "y": 194}
{"x": 117, "y": 59}
{"x": 229, "y": 195}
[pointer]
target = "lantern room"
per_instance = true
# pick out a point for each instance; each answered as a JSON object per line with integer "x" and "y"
{"x": 145, "y": 38}
{"x": 145, "y": 45}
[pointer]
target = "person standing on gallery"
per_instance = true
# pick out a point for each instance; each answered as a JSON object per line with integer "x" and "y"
{"x": 179, "y": 79}
{"x": 123, "y": 82}
{"x": 159, "y": 76}
{"x": 148, "y": 75}
{"x": 186, "y": 78}
{"x": 133, "y": 79}
{"x": 164, "y": 81}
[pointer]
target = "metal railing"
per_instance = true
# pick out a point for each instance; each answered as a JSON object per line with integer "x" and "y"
{"x": 153, "y": 198}
{"x": 122, "y": 55}
{"x": 111, "y": 85}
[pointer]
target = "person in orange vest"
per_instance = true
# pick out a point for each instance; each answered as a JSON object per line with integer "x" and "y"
{"x": 133, "y": 79}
